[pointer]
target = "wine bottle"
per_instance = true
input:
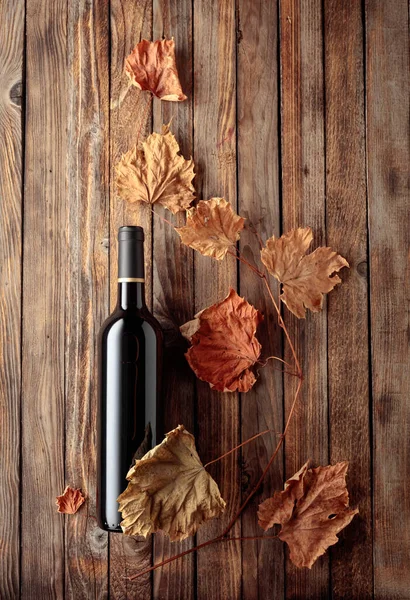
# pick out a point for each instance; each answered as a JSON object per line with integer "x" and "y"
{"x": 130, "y": 353}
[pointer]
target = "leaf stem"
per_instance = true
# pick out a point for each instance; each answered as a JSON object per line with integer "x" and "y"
{"x": 282, "y": 324}
{"x": 265, "y": 362}
{"x": 243, "y": 260}
{"x": 161, "y": 217}
{"x": 143, "y": 116}
{"x": 237, "y": 447}
{"x": 255, "y": 232}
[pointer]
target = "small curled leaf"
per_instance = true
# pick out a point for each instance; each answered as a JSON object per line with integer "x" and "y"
{"x": 70, "y": 501}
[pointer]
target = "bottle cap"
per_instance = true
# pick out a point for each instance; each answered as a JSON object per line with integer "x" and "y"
{"x": 130, "y": 254}
{"x": 130, "y": 232}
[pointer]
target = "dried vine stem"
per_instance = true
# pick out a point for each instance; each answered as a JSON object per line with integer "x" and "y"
{"x": 298, "y": 374}
{"x": 144, "y": 115}
{"x": 211, "y": 462}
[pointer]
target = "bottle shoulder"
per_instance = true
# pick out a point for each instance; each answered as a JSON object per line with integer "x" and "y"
{"x": 131, "y": 320}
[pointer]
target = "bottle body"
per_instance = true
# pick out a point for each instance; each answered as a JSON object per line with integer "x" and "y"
{"x": 129, "y": 412}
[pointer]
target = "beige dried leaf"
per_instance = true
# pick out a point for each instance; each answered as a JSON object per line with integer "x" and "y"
{"x": 312, "y": 509}
{"x": 304, "y": 278}
{"x": 169, "y": 490}
{"x": 156, "y": 172}
{"x": 212, "y": 227}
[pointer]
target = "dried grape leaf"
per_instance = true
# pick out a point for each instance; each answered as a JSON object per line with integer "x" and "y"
{"x": 156, "y": 172}
{"x": 304, "y": 278}
{"x": 312, "y": 509}
{"x": 70, "y": 500}
{"x": 169, "y": 490}
{"x": 212, "y": 227}
{"x": 151, "y": 66}
{"x": 224, "y": 347}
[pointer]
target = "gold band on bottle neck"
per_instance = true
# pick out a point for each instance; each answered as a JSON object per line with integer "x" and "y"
{"x": 134, "y": 279}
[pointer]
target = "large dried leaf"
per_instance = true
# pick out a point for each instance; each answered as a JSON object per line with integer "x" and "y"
{"x": 169, "y": 490}
{"x": 70, "y": 501}
{"x": 212, "y": 227}
{"x": 224, "y": 347}
{"x": 312, "y": 509}
{"x": 305, "y": 278}
{"x": 151, "y": 66}
{"x": 156, "y": 173}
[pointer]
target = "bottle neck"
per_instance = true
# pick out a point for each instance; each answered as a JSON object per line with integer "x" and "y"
{"x": 131, "y": 294}
{"x": 131, "y": 286}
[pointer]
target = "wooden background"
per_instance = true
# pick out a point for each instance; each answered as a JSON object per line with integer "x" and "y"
{"x": 298, "y": 113}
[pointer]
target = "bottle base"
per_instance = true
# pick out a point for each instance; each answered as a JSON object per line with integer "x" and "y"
{"x": 109, "y": 528}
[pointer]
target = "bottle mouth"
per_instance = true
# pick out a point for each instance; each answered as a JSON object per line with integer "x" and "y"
{"x": 130, "y": 232}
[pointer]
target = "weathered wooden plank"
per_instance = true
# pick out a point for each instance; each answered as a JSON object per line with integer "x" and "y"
{"x": 173, "y": 285}
{"x": 87, "y": 282}
{"x": 346, "y": 232}
{"x": 44, "y": 262}
{"x": 11, "y": 157}
{"x": 218, "y": 427}
{"x": 258, "y": 201}
{"x": 303, "y": 203}
{"x": 388, "y": 160}
{"x": 130, "y": 120}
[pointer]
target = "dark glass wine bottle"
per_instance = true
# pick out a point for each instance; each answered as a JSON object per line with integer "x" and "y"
{"x": 130, "y": 356}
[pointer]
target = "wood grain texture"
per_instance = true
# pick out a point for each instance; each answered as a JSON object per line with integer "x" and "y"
{"x": 388, "y": 160}
{"x": 217, "y": 416}
{"x": 11, "y": 166}
{"x": 291, "y": 106}
{"x": 346, "y": 231}
{"x": 45, "y": 258}
{"x": 303, "y": 204}
{"x": 173, "y": 286}
{"x": 87, "y": 283}
{"x": 259, "y": 202}
{"x": 130, "y": 121}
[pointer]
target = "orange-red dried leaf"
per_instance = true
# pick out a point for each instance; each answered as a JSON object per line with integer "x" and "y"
{"x": 304, "y": 278}
{"x": 212, "y": 227}
{"x": 156, "y": 172}
{"x": 70, "y": 501}
{"x": 312, "y": 509}
{"x": 151, "y": 66}
{"x": 224, "y": 346}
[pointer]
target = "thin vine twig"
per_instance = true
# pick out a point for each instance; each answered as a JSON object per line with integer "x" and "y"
{"x": 211, "y": 462}
{"x": 268, "y": 358}
{"x": 272, "y": 458}
{"x": 144, "y": 114}
{"x": 255, "y": 232}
